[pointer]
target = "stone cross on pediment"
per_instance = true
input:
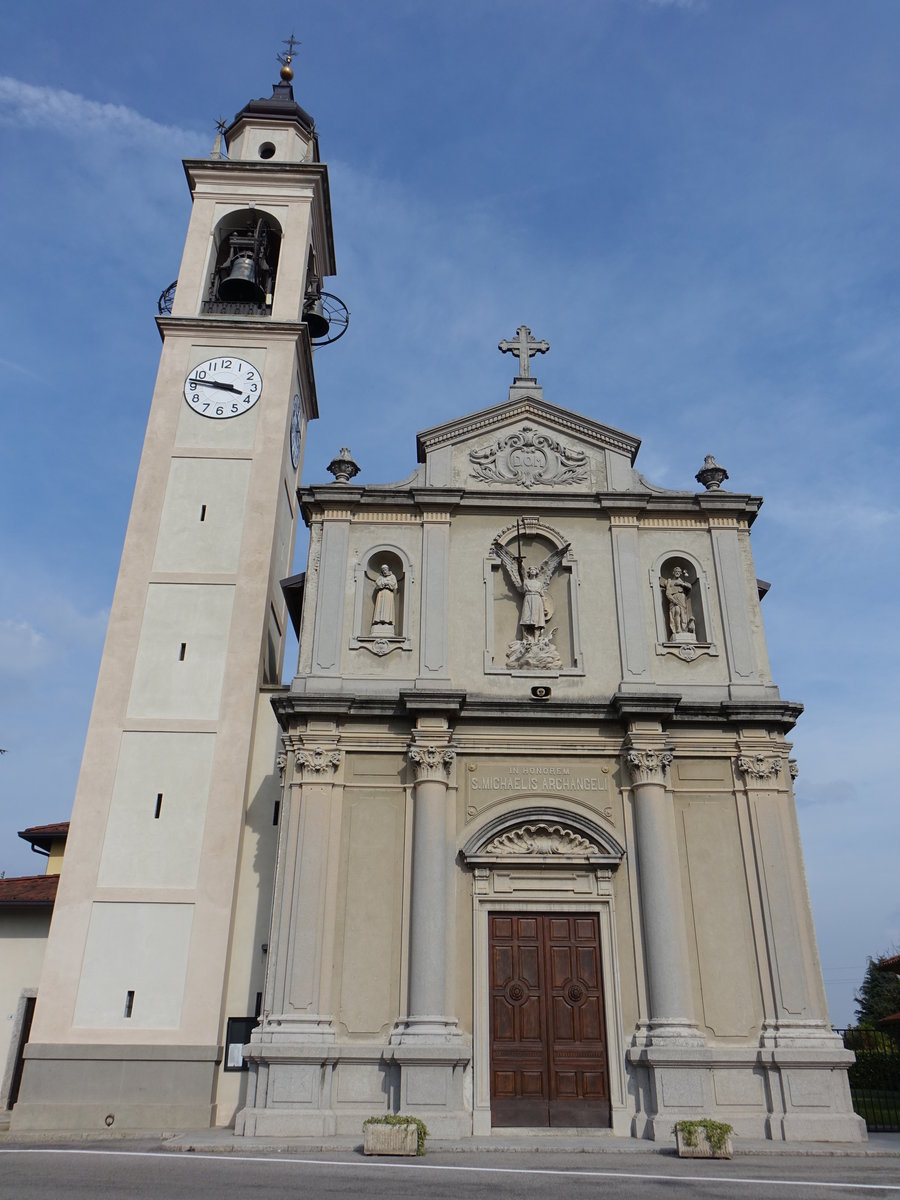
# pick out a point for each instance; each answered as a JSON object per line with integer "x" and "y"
{"x": 525, "y": 346}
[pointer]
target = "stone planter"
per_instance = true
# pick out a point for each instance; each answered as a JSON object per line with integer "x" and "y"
{"x": 701, "y": 1147}
{"x": 390, "y": 1139}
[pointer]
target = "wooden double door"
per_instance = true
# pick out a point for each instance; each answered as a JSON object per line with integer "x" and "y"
{"x": 548, "y": 1040}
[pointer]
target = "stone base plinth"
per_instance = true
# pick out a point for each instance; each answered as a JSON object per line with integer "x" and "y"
{"x": 796, "y": 1093}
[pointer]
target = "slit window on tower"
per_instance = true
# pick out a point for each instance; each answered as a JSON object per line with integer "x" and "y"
{"x": 202, "y": 512}
{"x": 158, "y": 810}
{"x": 129, "y": 1003}
{"x": 276, "y": 809}
{"x": 182, "y": 652}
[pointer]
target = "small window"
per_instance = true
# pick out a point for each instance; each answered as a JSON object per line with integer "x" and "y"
{"x": 267, "y": 150}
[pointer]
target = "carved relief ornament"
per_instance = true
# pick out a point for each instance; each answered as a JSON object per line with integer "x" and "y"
{"x": 759, "y": 766}
{"x": 317, "y": 761}
{"x": 530, "y": 459}
{"x": 648, "y": 766}
{"x": 431, "y": 761}
{"x": 539, "y": 839}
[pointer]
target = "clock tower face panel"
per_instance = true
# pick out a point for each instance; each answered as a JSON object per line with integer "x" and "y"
{"x": 237, "y": 432}
{"x": 223, "y": 387}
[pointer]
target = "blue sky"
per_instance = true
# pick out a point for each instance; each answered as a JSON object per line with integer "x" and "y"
{"x": 695, "y": 203}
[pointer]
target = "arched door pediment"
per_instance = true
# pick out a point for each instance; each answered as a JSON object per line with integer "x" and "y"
{"x": 543, "y": 836}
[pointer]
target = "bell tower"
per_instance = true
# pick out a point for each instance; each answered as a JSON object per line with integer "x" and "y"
{"x": 160, "y": 922}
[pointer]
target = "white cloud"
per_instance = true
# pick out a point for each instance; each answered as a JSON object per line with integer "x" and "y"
{"x": 26, "y": 105}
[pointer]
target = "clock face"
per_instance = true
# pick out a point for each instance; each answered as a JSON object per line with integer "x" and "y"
{"x": 223, "y": 387}
{"x": 296, "y": 432}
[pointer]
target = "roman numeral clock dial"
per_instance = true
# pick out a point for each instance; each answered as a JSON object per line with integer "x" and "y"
{"x": 223, "y": 387}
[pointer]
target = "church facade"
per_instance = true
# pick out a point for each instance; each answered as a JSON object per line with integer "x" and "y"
{"x": 517, "y": 846}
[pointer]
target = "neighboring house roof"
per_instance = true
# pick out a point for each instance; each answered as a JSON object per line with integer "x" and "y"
{"x": 890, "y": 964}
{"x": 29, "y": 890}
{"x": 42, "y": 837}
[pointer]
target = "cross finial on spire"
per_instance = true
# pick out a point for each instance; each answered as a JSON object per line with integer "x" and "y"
{"x": 525, "y": 346}
{"x": 287, "y": 72}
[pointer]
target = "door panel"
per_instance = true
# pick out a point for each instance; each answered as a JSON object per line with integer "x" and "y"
{"x": 548, "y": 1042}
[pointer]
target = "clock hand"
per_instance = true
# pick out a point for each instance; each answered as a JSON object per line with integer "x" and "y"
{"x": 214, "y": 383}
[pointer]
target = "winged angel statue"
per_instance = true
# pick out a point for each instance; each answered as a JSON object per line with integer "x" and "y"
{"x": 535, "y": 649}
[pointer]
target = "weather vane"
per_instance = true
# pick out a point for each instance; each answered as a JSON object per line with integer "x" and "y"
{"x": 287, "y": 73}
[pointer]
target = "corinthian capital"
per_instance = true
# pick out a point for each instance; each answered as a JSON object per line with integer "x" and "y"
{"x": 756, "y": 767}
{"x": 431, "y": 761}
{"x": 648, "y": 766}
{"x": 316, "y": 762}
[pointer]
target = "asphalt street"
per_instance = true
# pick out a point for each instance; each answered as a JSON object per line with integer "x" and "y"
{"x": 106, "y": 1173}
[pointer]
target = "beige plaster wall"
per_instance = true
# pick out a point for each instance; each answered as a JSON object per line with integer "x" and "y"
{"x": 253, "y": 898}
{"x": 151, "y": 942}
{"x": 164, "y": 685}
{"x": 23, "y": 939}
{"x": 203, "y": 515}
{"x": 141, "y": 849}
{"x": 370, "y": 912}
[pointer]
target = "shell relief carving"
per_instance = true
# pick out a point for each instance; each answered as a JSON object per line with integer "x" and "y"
{"x": 539, "y": 839}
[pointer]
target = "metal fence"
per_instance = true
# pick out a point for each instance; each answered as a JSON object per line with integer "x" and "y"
{"x": 875, "y": 1077}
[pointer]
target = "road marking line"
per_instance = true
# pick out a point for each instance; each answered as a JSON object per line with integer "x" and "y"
{"x": 227, "y": 1156}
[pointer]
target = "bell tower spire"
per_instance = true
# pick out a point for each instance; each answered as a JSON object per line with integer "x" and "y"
{"x": 154, "y": 948}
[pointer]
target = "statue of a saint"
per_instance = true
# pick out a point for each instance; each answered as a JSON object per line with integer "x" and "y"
{"x": 385, "y": 587}
{"x": 532, "y": 584}
{"x": 677, "y": 590}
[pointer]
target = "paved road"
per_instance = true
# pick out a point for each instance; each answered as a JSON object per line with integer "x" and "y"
{"x": 114, "y": 1174}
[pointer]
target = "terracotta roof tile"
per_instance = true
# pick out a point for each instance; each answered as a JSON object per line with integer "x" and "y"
{"x": 29, "y": 889}
{"x": 57, "y": 829}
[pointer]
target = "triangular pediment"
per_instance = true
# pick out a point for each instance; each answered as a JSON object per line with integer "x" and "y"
{"x": 527, "y": 444}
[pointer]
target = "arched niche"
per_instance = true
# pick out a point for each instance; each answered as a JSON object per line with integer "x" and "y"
{"x": 681, "y": 604}
{"x": 371, "y": 582}
{"x": 542, "y": 835}
{"x": 246, "y": 244}
{"x": 536, "y": 545}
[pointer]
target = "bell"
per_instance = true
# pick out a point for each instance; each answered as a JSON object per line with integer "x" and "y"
{"x": 240, "y": 286}
{"x": 314, "y": 316}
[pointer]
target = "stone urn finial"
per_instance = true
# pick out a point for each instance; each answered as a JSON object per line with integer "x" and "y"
{"x": 711, "y": 475}
{"x": 343, "y": 468}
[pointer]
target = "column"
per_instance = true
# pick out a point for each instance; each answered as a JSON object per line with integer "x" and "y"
{"x": 432, "y": 763}
{"x": 662, "y": 903}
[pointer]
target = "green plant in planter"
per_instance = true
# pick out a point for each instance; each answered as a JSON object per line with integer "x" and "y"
{"x": 717, "y": 1133}
{"x": 400, "y": 1119}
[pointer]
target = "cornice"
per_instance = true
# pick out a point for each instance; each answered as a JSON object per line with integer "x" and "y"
{"x": 618, "y": 711}
{"x": 264, "y": 326}
{"x": 640, "y": 509}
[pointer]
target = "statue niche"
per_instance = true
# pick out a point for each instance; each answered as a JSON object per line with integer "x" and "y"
{"x": 531, "y": 610}
{"x": 381, "y": 602}
{"x": 683, "y": 622}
